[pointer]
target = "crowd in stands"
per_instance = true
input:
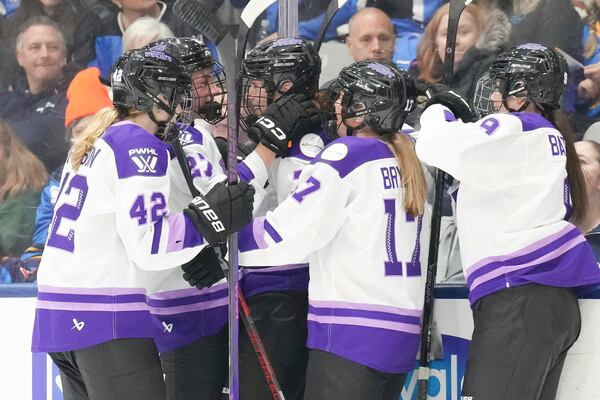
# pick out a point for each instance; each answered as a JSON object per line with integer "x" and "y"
{"x": 53, "y": 52}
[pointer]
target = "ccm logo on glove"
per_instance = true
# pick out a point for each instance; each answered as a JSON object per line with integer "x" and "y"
{"x": 209, "y": 213}
{"x": 269, "y": 124}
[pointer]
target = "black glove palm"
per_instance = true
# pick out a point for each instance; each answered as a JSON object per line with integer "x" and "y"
{"x": 224, "y": 210}
{"x": 204, "y": 270}
{"x": 285, "y": 118}
{"x": 460, "y": 107}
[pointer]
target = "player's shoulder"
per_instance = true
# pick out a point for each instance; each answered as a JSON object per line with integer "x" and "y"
{"x": 191, "y": 135}
{"x": 514, "y": 123}
{"x": 308, "y": 146}
{"x": 348, "y": 153}
{"x": 531, "y": 121}
{"x": 136, "y": 151}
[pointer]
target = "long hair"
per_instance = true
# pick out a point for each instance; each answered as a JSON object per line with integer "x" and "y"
{"x": 413, "y": 178}
{"x": 429, "y": 62}
{"x": 101, "y": 121}
{"x": 574, "y": 172}
{"x": 20, "y": 169}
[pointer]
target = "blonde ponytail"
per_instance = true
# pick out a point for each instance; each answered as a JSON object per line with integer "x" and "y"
{"x": 413, "y": 178}
{"x": 102, "y": 120}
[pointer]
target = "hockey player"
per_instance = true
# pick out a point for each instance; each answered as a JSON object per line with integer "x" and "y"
{"x": 193, "y": 339}
{"x": 357, "y": 215}
{"x": 112, "y": 230}
{"x": 276, "y": 72}
{"x": 520, "y": 185}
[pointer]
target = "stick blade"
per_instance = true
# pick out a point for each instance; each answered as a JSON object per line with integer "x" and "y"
{"x": 196, "y": 15}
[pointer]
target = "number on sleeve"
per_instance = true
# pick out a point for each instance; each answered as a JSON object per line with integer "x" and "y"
{"x": 311, "y": 185}
{"x": 490, "y": 125}
{"x": 158, "y": 208}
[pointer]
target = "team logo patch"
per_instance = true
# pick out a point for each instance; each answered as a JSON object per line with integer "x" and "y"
{"x": 186, "y": 138}
{"x": 335, "y": 152}
{"x": 78, "y": 324}
{"x": 145, "y": 159}
{"x": 311, "y": 145}
{"x": 168, "y": 327}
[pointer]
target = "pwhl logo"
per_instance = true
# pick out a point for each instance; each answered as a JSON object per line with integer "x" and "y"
{"x": 145, "y": 159}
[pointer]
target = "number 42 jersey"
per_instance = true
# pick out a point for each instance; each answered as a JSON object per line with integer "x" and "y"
{"x": 365, "y": 253}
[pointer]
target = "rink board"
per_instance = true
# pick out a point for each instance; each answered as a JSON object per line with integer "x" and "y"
{"x": 27, "y": 376}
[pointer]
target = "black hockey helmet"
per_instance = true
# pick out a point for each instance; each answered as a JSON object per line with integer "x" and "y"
{"x": 530, "y": 70}
{"x": 269, "y": 66}
{"x": 382, "y": 94}
{"x": 208, "y": 97}
{"x": 140, "y": 76}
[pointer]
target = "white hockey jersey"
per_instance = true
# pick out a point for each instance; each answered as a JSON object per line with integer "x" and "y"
{"x": 110, "y": 234}
{"x": 513, "y": 204}
{"x": 283, "y": 179}
{"x": 364, "y": 251}
{"x": 182, "y": 313}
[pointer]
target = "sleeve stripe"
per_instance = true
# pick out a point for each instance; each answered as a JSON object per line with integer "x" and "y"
{"x": 192, "y": 236}
{"x": 176, "y": 232}
{"x": 245, "y": 172}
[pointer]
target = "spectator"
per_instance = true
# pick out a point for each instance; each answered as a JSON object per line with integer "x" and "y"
{"x": 553, "y": 23}
{"x": 109, "y": 42}
{"x": 35, "y": 109}
{"x": 22, "y": 176}
{"x": 143, "y": 31}
{"x": 476, "y": 47}
{"x": 371, "y": 36}
{"x": 589, "y": 157}
{"x": 78, "y": 26}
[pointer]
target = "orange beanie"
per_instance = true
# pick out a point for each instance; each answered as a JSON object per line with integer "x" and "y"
{"x": 85, "y": 95}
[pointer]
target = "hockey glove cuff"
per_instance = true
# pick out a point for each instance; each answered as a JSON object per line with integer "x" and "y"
{"x": 460, "y": 107}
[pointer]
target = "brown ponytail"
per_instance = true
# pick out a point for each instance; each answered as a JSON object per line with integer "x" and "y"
{"x": 413, "y": 178}
{"x": 574, "y": 171}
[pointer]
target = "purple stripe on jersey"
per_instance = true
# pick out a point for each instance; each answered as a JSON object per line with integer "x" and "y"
{"x": 137, "y": 151}
{"x": 91, "y": 298}
{"x": 247, "y": 239}
{"x": 381, "y": 349}
{"x": 205, "y": 305}
{"x": 71, "y": 330}
{"x": 567, "y": 199}
{"x": 532, "y": 121}
{"x": 176, "y": 232}
{"x": 272, "y": 232}
{"x": 192, "y": 237}
{"x": 448, "y": 116}
{"x": 478, "y": 279}
{"x": 157, "y": 226}
{"x": 525, "y": 258}
{"x": 366, "y": 307}
{"x": 376, "y": 315}
{"x": 524, "y": 251}
{"x": 98, "y": 291}
{"x": 360, "y": 151}
{"x": 244, "y": 172}
{"x": 574, "y": 268}
{"x": 367, "y": 322}
{"x": 257, "y": 281}
{"x": 177, "y": 330}
{"x": 88, "y": 306}
{"x": 180, "y": 301}
{"x": 173, "y": 294}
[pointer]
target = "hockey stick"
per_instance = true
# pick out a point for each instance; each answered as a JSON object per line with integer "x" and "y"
{"x": 195, "y": 14}
{"x": 456, "y": 9}
{"x": 247, "y": 319}
{"x": 332, "y": 9}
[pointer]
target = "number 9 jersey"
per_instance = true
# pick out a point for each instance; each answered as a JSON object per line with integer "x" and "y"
{"x": 110, "y": 230}
{"x": 365, "y": 253}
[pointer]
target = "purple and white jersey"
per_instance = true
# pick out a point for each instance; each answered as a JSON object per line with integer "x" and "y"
{"x": 182, "y": 313}
{"x": 513, "y": 205}
{"x": 283, "y": 179}
{"x": 110, "y": 234}
{"x": 364, "y": 252}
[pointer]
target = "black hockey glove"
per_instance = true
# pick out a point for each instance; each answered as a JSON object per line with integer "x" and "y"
{"x": 427, "y": 90}
{"x": 244, "y": 149}
{"x": 204, "y": 270}
{"x": 224, "y": 210}
{"x": 285, "y": 118}
{"x": 460, "y": 107}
